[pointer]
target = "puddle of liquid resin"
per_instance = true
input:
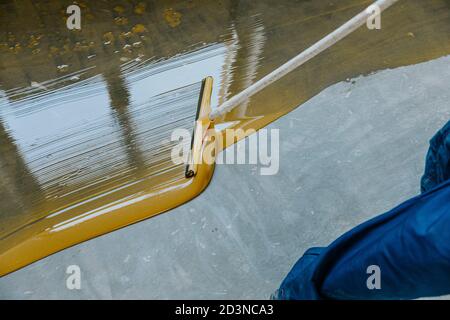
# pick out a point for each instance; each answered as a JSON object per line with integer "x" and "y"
{"x": 86, "y": 116}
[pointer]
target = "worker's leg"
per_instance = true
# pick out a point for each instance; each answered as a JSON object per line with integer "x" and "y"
{"x": 402, "y": 254}
{"x": 437, "y": 169}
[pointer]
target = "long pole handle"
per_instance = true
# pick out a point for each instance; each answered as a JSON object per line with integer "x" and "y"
{"x": 323, "y": 44}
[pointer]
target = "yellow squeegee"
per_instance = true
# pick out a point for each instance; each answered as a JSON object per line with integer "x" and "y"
{"x": 206, "y": 116}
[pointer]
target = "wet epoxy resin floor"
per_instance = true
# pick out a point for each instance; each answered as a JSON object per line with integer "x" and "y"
{"x": 55, "y": 83}
{"x": 350, "y": 153}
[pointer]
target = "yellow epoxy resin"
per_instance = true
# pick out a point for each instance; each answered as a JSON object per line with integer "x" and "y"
{"x": 158, "y": 192}
{"x": 84, "y": 113}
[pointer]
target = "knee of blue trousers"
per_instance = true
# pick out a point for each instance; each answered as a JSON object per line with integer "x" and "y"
{"x": 437, "y": 167}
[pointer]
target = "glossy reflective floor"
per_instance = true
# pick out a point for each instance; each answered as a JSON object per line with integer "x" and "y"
{"x": 344, "y": 158}
{"x": 80, "y": 117}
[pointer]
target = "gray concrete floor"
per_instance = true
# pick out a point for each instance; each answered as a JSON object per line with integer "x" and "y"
{"x": 352, "y": 152}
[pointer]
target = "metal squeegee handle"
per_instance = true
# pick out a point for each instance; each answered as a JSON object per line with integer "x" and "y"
{"x": 300, "y": 59}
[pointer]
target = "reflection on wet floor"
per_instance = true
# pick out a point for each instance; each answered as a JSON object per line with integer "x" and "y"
{"x": 80, "y": 111}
